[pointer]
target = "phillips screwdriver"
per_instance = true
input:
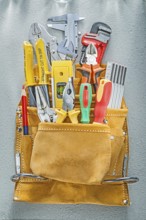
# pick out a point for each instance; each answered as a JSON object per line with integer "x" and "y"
{"x": 102, "y": 99}
{"x": 85, "y": 98}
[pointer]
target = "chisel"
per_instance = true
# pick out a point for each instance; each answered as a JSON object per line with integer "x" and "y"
{"x": 102, "y": 98}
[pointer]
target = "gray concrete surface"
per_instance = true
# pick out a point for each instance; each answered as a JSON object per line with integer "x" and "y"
{"x": 127, "y": 46}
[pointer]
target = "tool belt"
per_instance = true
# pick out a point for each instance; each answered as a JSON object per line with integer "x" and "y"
{"x": 73, "y": 163}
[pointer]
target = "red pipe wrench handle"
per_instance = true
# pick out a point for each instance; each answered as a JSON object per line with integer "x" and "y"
{"x": 103, "y": 95}
{"x": 89, "y": 38}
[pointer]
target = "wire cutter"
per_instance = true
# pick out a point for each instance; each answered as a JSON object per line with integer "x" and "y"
{"x": 45, "y": 113}
{"x": 68, "y": 105}
{"x": 38, "y": 31}
{"x": 91, "y": 70}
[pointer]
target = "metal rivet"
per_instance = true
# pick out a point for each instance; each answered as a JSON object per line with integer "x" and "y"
{"x": 125, "y": 201}
{"x": 53, "y": 51}
{"x": 19, "y": 129}
{"x": 19, "y": 115}
{"x": 124, "y": 133}
{"x": 114, "y": 173}
{"x": 111, "y": 137}
{"x": 105, "y": 121}
{"x": 18, "y": 110}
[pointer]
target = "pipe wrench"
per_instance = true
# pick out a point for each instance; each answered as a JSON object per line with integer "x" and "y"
{"x": 99, "y": 36}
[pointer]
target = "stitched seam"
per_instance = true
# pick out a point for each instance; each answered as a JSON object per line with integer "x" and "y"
{"x": 116, "y": 115}
{"x": 22, "y": 164}
{"x": 32, "y": 139}
{"x": 67, "y": 129}
{"x": 126, "y": 191}
{"x": 18, "y": 190}
{"x": 18, "y": 134}
{"x": 25, "y": 180}
{"x": 123, "y": 192}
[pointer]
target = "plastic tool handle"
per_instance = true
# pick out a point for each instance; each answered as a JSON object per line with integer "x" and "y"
{"x": 86, "y": 72}
{"x": 85, "y": 76}
{"x": 28, "y": 64}
{"x": 102, "y": 99}
{"x": 85, "y": 98}
{"x": 61, "y": 115}
{"x": 42, "y": 60}
{"x": 73, "y": 115}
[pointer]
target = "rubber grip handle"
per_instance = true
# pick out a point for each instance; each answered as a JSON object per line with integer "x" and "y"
{"x": 41, "y": 55}
{"x": 102, "y": 99}
{"x": 28, "y": 64}
{"x": 85, "y": 98}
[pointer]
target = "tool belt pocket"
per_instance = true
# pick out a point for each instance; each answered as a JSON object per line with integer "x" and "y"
{"x": 72, "y": 153}
{"x": 116, "y": 119}
{"x": 26, "y": 150}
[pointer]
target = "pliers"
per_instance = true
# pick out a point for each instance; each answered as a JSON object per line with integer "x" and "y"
{"x": 37, "y": 60}
{"x": 91, "y": 70}
{"x": 45, "y": 113}
{"x": 68, "y": 105}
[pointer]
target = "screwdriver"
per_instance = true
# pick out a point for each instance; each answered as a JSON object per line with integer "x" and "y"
{"x": 85, "y": 98}
{"x": 103, "y": 95}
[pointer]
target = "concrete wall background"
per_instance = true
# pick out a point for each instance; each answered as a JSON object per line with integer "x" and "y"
{"x": 127, "y": 46}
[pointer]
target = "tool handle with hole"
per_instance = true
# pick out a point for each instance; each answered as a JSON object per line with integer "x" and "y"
{"x": 85, "y": 98}
{"x": 102, "y": 99}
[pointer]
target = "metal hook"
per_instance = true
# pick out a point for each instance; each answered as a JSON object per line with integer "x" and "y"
{"x": 16, "y": 177}
{"x": 123, "y": 179}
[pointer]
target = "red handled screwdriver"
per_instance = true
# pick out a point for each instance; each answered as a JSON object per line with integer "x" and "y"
{"x": 103, "y": 95}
